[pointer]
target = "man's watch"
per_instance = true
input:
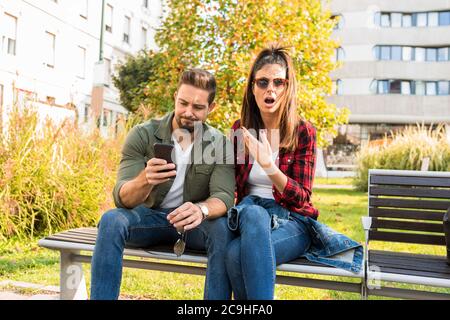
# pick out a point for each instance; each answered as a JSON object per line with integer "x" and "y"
{"x": 204, "y": 210}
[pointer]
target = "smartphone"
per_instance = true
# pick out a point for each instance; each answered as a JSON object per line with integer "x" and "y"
{"x": 164, "y": 151}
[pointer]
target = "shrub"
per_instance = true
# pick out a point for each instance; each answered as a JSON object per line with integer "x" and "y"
{"x": 53, "y": 177}
{"x": 405, "y": 150}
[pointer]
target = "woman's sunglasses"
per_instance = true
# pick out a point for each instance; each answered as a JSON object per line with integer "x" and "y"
{"x": 263, "y": 83}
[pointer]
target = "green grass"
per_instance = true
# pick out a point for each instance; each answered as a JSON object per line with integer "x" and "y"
{"x": 340, "y": 209}
{"x": 333, "y": 181}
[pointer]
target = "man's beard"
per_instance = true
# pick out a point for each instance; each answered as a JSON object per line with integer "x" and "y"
{"x": 189, "y": 128}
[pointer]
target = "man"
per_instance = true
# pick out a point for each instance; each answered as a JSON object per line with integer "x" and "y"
{"x": 154, "y": 198}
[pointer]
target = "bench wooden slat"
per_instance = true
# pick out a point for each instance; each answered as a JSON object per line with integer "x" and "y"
{"x": 410, "y": 192}
{"x": 407, "y": 214}
{"x": 90, "y": 231}
{"x": 415, "y": 262}
{"x": 407, "y": 265}
{"x": 408, "y": 203}
{"x": 406, "y": 225}
{"x": 410, "y": 180}
{"x": 78, "y": 236}
{"x": 406, "y": 255}
{"x": 414, "y": 273}
{"x": 72, "y": 237}
{"x": 406, "y": 237}
{"x": 81, "y": 235}
{"x": 65, "y": 239}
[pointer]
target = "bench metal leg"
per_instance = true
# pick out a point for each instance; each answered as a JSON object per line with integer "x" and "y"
{"x": 72, "y": 282}
{"x": 364, "y": 290}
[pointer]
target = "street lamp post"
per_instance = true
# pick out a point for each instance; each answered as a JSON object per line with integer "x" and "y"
{"x": 99, "y": 75}
{"x": 102, "y": 30}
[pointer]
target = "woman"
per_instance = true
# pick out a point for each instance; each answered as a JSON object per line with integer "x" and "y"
{"x": 274, "y": 175}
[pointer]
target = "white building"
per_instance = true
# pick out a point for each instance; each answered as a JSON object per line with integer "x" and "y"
{"x": 48, "y": 50}
{"x": 395, "y": 66}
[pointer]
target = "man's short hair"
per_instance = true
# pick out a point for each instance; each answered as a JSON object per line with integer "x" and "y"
{"x": 201, "y": 79}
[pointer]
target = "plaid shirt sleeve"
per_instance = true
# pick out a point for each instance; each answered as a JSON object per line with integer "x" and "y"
{"x": 300, "y": 171}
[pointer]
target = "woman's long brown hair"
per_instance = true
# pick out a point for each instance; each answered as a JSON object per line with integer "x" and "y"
{"x": 287, "y": 117}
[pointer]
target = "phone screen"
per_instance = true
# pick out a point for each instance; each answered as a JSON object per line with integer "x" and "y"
{"x": 164, "y": 151}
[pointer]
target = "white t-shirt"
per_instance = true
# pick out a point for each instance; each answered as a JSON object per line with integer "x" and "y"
{"x": 259, "y": 182}
{"x": 174, "y": 197}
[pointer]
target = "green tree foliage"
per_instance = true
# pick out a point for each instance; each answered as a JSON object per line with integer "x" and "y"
{"x": 132, "y": 78}
{"x": 223, "y": 36}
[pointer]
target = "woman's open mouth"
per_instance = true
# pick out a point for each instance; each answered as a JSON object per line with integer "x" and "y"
{"x": 270, "y": 102}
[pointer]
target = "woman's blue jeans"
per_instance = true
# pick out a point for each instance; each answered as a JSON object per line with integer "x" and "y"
{"x": 142, "y": 227}
{"x": 267, "y": 235}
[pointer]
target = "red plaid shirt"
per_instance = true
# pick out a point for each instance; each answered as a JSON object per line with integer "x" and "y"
{"x": 297, "y": 165}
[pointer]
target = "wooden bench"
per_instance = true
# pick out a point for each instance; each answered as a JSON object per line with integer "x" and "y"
{"x": 406, "y": 207}
{"x": 75, "y": 246}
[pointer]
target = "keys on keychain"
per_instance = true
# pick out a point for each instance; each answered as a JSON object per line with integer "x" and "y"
{"x": 180, "y": 245}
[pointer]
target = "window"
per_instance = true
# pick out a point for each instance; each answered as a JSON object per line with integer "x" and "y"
{"x": 443, "y": 87}
{"x": 419, "y": 54}
{"x": 406, "y": 87}
{"x": 419, "y": 88}
{"x": 111, "y": 117}
{"x": 376, "y": 52}
{"x": 373, "y": 87}
{"x": 407, "y": 21}
{"x": 50, "y": 41}
{"x": 395, "y": 86}
{"x": 431, "y": 88}
{"x": 126, "y": 29}
{"x": 385, "y": 20}
{"x": 399, "y": 53}
{"x": 383, "y": 86}
{"x": 340, "y": 54}
{"x": 339, "y": 87}
{"x": 109, "y": 18}
{"x": 81, "y": 60}
{"x": 431, "y": 54}
{"x": 87, "y": 108}
{"x": 444, "y": 18}
{"x": 385, "y": 53}
{"x": 442, "y": 54}
{"x": 396, "y": 53}
{"x": 421, "y": 20}
{"x": 396, "y": 20}
{"x": 377, "y": 19}
{"x": 407, "y": 53}
{"x": 144, "y": 37}
{"x": 433, "y": 19}
{"x": 340, "y": 23}
{"x": 84, "y": 4}
{"x": 10, "y": 35}
{"x": 105, "y": 117}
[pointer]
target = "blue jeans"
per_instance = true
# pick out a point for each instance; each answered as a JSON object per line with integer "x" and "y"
{"x": 142, "y": 227}
{"x": 266, "y": 236}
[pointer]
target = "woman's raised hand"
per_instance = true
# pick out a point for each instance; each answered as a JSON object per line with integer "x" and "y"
{"x": 261, "y": 151}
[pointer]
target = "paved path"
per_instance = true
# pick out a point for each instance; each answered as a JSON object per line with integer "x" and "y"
{"x": 9, "y": 290}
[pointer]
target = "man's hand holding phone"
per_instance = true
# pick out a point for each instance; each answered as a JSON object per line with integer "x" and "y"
{"x": 159, "y": 171}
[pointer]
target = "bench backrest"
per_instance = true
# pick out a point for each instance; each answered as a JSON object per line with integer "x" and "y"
{"x": 408, "y": 206}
